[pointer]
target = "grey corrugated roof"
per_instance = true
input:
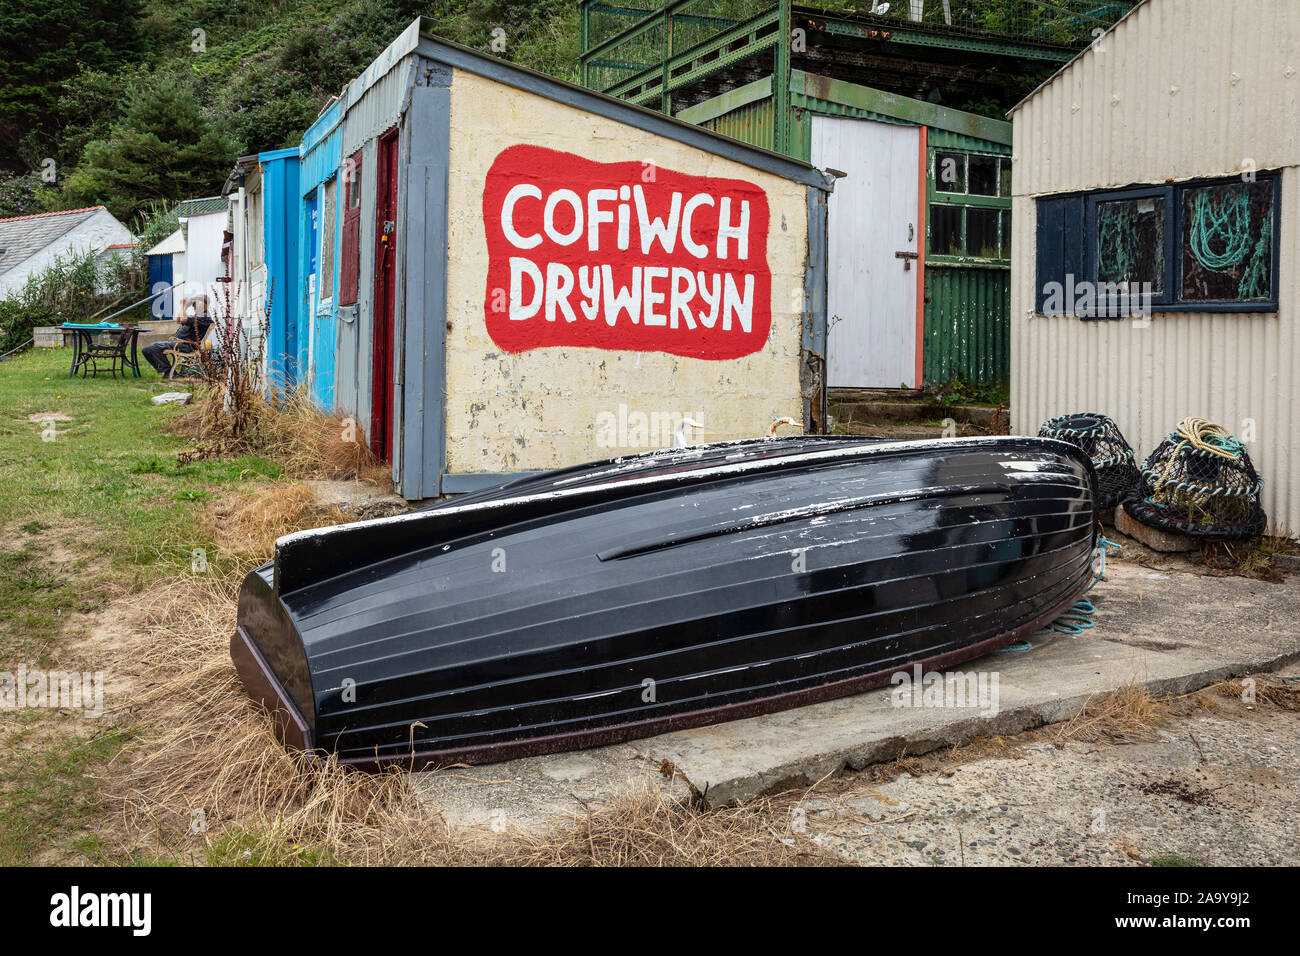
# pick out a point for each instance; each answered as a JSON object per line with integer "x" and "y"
{"x": 23, "y": 236}
{"x": 200, "y": 207}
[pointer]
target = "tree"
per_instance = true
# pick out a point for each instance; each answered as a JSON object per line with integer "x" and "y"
{"x": 162, "y": 148}
{"x": 43, "y": 42}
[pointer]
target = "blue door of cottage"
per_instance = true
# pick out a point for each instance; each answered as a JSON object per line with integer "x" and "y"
{"x": 160, "y": 281}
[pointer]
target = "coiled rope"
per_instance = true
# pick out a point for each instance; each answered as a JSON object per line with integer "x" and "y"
{"x": 1205, "y": 437}
{"x": 1228, "y": 224}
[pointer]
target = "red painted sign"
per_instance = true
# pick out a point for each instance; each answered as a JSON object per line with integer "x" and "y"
{"x": 623, "y": 256}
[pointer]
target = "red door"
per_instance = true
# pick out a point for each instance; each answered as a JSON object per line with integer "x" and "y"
{"x": 381, "y": 398}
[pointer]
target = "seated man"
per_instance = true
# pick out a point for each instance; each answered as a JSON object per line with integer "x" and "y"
{"x": 189, "y": 333}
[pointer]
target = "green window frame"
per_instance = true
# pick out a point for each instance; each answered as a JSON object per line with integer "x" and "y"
{"x": 968, "y": 207}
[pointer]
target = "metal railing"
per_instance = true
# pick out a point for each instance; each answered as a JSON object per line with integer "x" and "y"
{"x": 624, "y": 39}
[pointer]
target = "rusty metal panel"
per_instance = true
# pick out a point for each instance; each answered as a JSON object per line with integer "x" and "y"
{"x": 967, "y": 324}
{"x": 1177, "y": 90}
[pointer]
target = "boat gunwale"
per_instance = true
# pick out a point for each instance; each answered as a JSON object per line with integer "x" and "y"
{"x": 736, "y": 468}
{"x": 304, "y": 546}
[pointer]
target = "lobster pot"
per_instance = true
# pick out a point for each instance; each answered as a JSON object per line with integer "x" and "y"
{"x": 1100, "y": 439}
{"x": 1207, "y": 490}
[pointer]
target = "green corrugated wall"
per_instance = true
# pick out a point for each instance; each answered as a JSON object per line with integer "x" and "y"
{"x": 967, "y": 324}
{"x": 754, "y": 124}
{"x": 967, "y": 309}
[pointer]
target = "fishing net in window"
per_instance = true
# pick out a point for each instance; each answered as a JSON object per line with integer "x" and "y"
{"x": 1200, "y": 482}
{"x": 1100, "y": 439}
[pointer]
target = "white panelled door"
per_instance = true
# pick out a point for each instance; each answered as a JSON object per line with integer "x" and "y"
{"x": 871, "y": 288}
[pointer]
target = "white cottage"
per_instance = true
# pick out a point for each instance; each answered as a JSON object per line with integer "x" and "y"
{"x": 1156, "y": 216}
{"x": 30, "y": 244}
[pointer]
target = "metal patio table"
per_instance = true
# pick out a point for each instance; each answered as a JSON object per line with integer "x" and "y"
{"x": 87, "y": 352}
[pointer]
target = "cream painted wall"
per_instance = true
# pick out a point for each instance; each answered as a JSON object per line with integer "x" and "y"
{"x": 541, "y": 408}
{"x": 1178, "y": 90}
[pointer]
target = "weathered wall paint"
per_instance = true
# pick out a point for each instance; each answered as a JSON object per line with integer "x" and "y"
{"x": 1175, "y": 91}
{"x": 623, "y": 256}
{"x": 372, "y": 105}
{"x": 550, "y": 407}
{"x": 321, "y": 156}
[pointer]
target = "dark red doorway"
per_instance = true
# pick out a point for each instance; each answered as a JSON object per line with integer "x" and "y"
{"x": 381, "y": 398}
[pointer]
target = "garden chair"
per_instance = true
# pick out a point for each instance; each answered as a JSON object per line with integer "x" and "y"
{"x": 198, "y": 360}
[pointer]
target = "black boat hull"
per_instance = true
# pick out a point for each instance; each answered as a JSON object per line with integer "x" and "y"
{"x": 659, "y": 592}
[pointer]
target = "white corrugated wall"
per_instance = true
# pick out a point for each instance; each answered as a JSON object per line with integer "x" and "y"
{"x": 1180, "y": 89}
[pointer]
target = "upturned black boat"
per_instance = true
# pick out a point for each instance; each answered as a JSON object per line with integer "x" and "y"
{"x": 660, "y": 591}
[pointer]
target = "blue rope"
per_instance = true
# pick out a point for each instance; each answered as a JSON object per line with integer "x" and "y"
{"x": 1078, "y": 618}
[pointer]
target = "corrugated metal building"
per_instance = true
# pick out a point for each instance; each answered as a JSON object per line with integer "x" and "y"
{"x": 920, "y": 226}
{"x": 904, "y": 312}
{"x": 529, "y": 274}
{"x": 1167, "y": 154}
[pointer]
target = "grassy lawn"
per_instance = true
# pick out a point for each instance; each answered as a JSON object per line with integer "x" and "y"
{"x": 95, "y": 506}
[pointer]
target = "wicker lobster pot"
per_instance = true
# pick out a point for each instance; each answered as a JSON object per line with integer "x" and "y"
{"x": 1200, "y": 482}
{"x": 1100, "y": 439}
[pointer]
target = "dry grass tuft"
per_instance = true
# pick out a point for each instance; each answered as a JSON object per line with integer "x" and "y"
{"x": 308, "y": 442}
{"x": 312, "y": 444}
{"x": 1128, "y": 714}
{"x": 204, "y": 746}
{"x": 1255, "y": 558}
{"x": 247, "y": 526}
{"x": 1270, "y": 690}
{"x": 649, "y": 828}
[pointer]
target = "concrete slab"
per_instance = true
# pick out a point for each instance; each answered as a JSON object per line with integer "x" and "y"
{"x": 1154, "y": 538}
{"x": 1172, "y": 631}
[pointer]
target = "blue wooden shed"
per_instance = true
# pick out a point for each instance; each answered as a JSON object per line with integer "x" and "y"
{"x": 318, "y": 185}
{"x": 281, "y": 201}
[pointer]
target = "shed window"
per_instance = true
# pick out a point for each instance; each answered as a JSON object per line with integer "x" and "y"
{"x": 982, "y": 233}
{"x": 969, "y": 204}
{"x": 1131, "y": 241}
{"x": 1227, "y": 243}
{"x": 329, "y": 216}
{"x": 945, "y": 230}
{"x": 982, "y": 175}
{"x": 950, "y": 172}
{"x": 350, "y": 266}
{"x": 1205, "y": 245}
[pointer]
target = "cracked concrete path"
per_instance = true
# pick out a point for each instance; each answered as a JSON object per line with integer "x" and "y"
{"x": 1166, "y": 628}
{"x": 1219, "y": 786}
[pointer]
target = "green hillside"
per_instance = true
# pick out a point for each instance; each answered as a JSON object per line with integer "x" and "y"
{"x": 138, "y": 103}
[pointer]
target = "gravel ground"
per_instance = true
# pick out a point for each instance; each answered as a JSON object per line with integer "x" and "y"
{"x": 1220, "y": 784}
